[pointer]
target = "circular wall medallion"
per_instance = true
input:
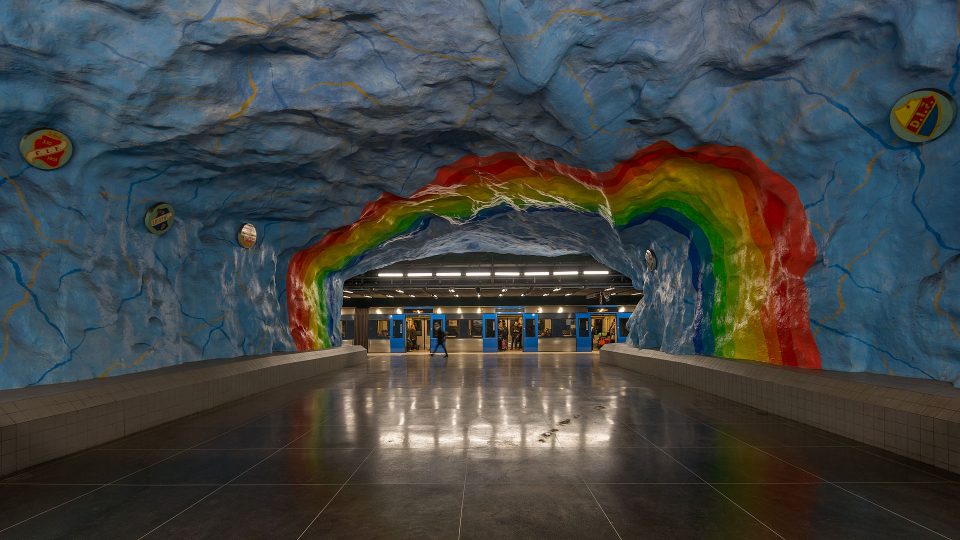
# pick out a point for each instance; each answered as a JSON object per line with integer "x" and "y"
{"x": 247, "y": 236}
{"x": 46, "y": 149}
{"x": 159, "y": 218}
{"x": 922, "y": 115}
{"x": 651, "y": 259}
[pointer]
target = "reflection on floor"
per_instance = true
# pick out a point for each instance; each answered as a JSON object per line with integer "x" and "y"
{"x": 482, "y": 446}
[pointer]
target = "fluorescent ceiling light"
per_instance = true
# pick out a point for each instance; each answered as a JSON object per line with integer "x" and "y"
{"x": 348, "y": 292}
{"x": 448, "y": 274}
{"x": 389, "y": 296}
{"x": 557, "y": 289}
{"x": 457, "y": 295}
{"x": 478, "y": 274}
{"x": 507, "y": 273}
{"x": 503, "y": 290}
{"x": 536, "y": 273}
{"x": 568, "y": 294}
{"x": 399, "y": 291}
{"x": 419, "y": 274}
{"x": 501, "y": 294}
{"x": 523, "y": 294}
{"x": 434, "y": 296}
{"x": 546, "y": 294}
{"x": 610, "y": 288}
{"x": 452, "y": 290}
{"x": 478, "y": 295}
{"x": 413, "y": 296}
{"x": 389, "y": 274}
{"x": 595, "y": 272}
{"x": 566, "y": 273}
{"x": 367, "y": 296}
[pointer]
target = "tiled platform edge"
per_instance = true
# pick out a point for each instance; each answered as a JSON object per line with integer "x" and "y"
{"x": 915, "y": 418}
{"x": 41, "y": 423}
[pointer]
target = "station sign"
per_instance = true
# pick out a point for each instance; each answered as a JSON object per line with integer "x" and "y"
{"x": 159, "y": 218}
{"x": 923, "y": 115}
{"x": 247, "y": 236}
{"x": 46, "y": 149}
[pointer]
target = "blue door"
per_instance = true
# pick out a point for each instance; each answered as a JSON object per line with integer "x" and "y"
{"x": 398, "y": 332}
{"x": 436, "y": 321}
{"x": 622, "y": 330}
{"x": 531, "y": 332}
{"x": 584, "y": 343}
{"x": 490, "y": 332}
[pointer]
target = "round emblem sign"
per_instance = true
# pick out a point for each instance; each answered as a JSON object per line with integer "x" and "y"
{"x": 159, "y": 218}
{"x": 46, "y": 149}
{"x": 923, "y": 115}
{"x": 247, "y": 236}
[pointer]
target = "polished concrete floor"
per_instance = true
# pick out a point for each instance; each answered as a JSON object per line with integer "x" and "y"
{"x": 506, "y": 445}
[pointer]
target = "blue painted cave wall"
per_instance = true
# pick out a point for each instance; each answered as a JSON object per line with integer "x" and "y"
{"x": 294, "y": 115}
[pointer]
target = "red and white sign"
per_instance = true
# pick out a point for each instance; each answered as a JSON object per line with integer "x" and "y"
{"x": 46, "y": 149}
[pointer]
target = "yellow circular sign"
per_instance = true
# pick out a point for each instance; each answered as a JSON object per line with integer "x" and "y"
{"x": 922, "y": 115}
{"x": 46, "y": 149}
{"x": 247, "y": 236}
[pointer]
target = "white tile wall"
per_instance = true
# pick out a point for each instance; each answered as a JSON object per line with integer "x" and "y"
{"x": 911, "y": 417}
{"x": 43, "y": 423}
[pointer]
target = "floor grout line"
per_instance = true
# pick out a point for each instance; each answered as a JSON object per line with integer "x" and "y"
{"x": 838, "y": 486}
{"x": 463, "y": 496}
{"x": 171, "y": 456}
{"x": 225, "y": 484}
{"x": 722, "y": 494}
{"x": 316, "y": 517}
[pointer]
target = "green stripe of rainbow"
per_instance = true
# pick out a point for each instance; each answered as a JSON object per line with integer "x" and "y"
{"x": 743, "y": 219}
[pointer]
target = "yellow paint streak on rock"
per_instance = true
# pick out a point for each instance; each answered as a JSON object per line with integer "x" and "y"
{"x": 564, "y": 12}
{"x": 866, "y": 176}
{"x": 768, "y": 38}
{"x": 587, "y": 98}
{"x": 120, "y": 365}
{"x": 26, "y": 210}
{"x": 942, "y": 312}
{"x": 241, "y": 20}
{"x": 883, "y": 359}
{"x": 418, "y": 50}
{"x": 19, "y": 304}
{"x": 730, "y": 93}
{"x": 841, "y": 304}
{"x": 253, "y": 95}
{"x": 308, "y": 17}
{"x": 482, "y": 101}
{"x": 347, "y": 84}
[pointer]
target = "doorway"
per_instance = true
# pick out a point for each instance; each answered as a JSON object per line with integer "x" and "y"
{"x": 603, "y": 330}
{"x": 510, "y": 332}
{"x": 418, "y": 333}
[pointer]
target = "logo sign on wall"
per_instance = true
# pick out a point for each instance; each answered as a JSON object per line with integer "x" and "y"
{"x": 159, "y": 218}
{"x": 247, "y": 236}
{"x": 922, "y": 115}
{"x": 46, "y": 149}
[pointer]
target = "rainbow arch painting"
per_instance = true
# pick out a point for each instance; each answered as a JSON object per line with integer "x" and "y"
{"x": 750, "y": 245}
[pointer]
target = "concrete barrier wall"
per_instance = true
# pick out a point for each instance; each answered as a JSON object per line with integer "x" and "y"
{"x": 915, "y": 418}
{"x": 41, "y": 423}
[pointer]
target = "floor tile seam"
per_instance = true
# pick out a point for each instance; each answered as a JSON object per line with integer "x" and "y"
{"x": 840, "y": 487}
{"x": 82, "y": 495}
{"x": 714, "y": 488}
{"x": 463, "y": 494}
{"x": 330, "y": 500}
{"x": 216, "y": 490}
{"x": 600, "y": 506}
{"x": 864, "y": 449}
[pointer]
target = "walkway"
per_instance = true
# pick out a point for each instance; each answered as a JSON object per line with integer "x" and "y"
{"x": 482, "y": 446}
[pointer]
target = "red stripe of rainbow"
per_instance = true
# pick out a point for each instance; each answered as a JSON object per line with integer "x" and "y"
{"x": 750, "y": 245}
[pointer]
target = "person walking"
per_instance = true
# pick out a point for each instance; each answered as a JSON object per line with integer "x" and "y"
{"x": 515, "y": 334}
{"x": 441, "y": 340}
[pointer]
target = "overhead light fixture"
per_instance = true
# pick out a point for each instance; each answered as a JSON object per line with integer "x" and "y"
{"x": 439, "y": 310}
{"x": 367, "y": 296}
{"x": 595, "y": 272}
{"x": 448, "y": 274}
{"x": 610, "y": 288}
{"x": 389, "y": 274}
{"x": 419, "y": 274}
{"x": 557, "y": 289}
{"x": 636, "y": 294}
{"x": 347, "y": 297}
{"x": 389, "y": 296}
{"x": 523, "y": 294}
{"x": 568, "y": 294}
{"x": 478, "y": 274}
{"x": 398, "y": 311}
{"x": 503, "y": 290}
{"x": 507, "y": 273}
{"x": 434, "y": 296}
{"x": 413, "y": 296}
{"x": 546, "y": 294}
{"x": 560, "y": 309}
{"x": 348, "y": 292}
{"x": 478, "y": 295}
{"x": 452, "y": 290}
{"x": 622, "y": 309}
{"x": 399, "y": 291}
{"x": 459, "y": 310}
{"x": 501, "y": 294}
{"x": 538, "y": 273}
{"x": 566, "y": 273}
{"x": 457, "y": 295}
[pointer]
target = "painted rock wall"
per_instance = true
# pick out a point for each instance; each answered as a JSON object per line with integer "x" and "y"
{"x": 293, "y": 116}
